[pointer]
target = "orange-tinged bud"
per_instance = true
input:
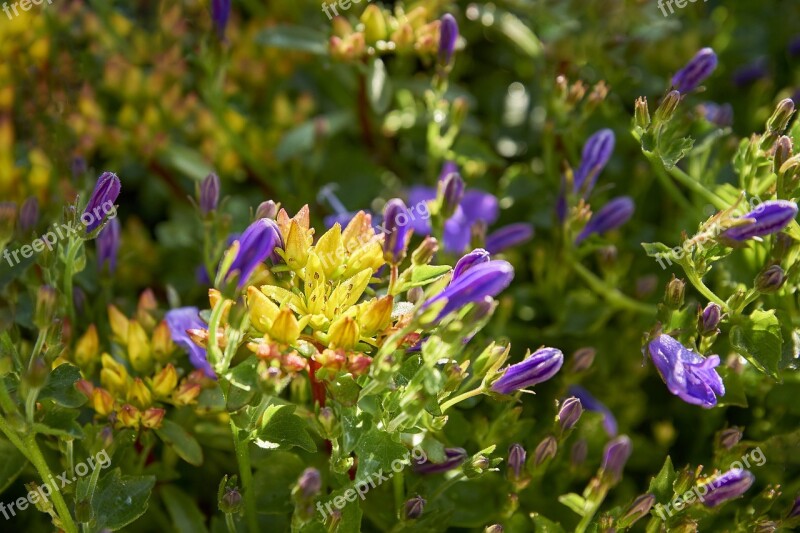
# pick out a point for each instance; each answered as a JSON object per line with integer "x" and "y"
{"x": 295, "y": 253}
{"x": 262, "y": 310}
{"x": 86, "y": 387}
{"x": 285, "y": 329}
{"x": 343, "y": 333}
{"x": 165, "y": 381}
{"x": 376, "y": 315}
{"x": 129, "y": 416}
{"x": 139, "y": 353}
{"x": 119, "y": 324}
{"x": 144, "y": 311}
{"x": 153, "y": 417}
{"x": 113, "y": 376}
{"x": 293, "y": 362}
{"x": 102, "y": 401}
{"x": 403, "y": 38}
{"x": 162, "y": 344}
{"x": 186, "y": 393}
{"x": 139, "y": 395}
{"x": 359, "y": 364}
{"x": 358, "y": 232}
{"x": 87, "y": 348}
{"x": 331, "y": 359}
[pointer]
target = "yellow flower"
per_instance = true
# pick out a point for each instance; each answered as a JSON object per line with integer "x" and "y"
{"x": 375, "y": 315}
{"x": 285, "y": 329}
{"x": 139, "y": 352}
{"x": 113, "y": 375}
{"x": 139, "y": 394}
{"x": 165, "y": 381}
{"x": 119, "y": 324}
{"x": 87, "y": 347}
{"x": 102, "y": 401}
{"x": 129, "y": 416}
{"x": 261, "y": 309}
{"x": 162, "y": 344}
{"x": 343, "y": 333}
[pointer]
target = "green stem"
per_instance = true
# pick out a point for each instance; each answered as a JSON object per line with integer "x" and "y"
{"x": 461, "y": 397}
{"x": 666, "y": 182}
{"x": 398, "y": 484}
{"x": 695, "y": 186}
{"x": 230, "y": 523}
{"x": 246, "y": 477}
{"x": 47, "y": 476}
{"x": 701, "y": 287}
{"x": 68, "y": 274}
{"x": 613, "y": 295}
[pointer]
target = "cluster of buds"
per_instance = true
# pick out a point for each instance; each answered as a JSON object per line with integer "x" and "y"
{"x": 380, "y": 31}
{"x": 569, "y": 97}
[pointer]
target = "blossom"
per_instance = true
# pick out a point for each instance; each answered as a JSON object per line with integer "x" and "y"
{"x": 696, "y": 71}
{"x": 508, "y": 236}
{"x": 728, "y": 486}
{"x": 611, "y": 216}
{"x": 768, "y": 218}
{"x": 256, "y": 243}
{"x": 108, "y": 242}
{"x": 710, "y": 318}
{"x": 179, "y": 321}
{"x": 590, "y": 403}
{"x": 480, "y": 281}
{"x": 477, "y": 256}
{"x": 448, "y": 35}
{"x": 542, "y": 365}
{"x": 105, "y": 193}
{"x": 687, "y": 374}
{"x": 596, "y": 153}
{"x": 396, "y": 224}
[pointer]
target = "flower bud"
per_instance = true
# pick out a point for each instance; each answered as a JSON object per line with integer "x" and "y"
{"x": 770, "y": 279}
{"x": 674, "y": 295}
{"x": 153, "y": 417}
{"x": 783, "y": 151}
{"x": 310, "y": 483}
{"x": 186, "y": 393}
{"x": 540, "y": 366}
{"x": 709, "y": 319}
{"x": 139, "y": 352}
{"x": 374, "y": 24}
{"x": 165, "y": 381}
{"x": 413, "y": 508}
{"x": 569, "y": 414}
{"x": 268, "y": 209}
{"x": 582, "y": 359}
{"x": 231, "y": 501}
{"x": 396, "y": 224}
{"x": 343, "y": 333}
{"x": 448, "y": 35}
{"x": 46, "y": 298}
{"x": 776, "y": 124}
{"x": 162, "y": 342}
{"x": 209, "y": 193}
{"x": 139, "y": 395}
{"x": 615, "y": 455}
{"x": 87, "y": 348}
{"x": 119, "y": 324}
{"x": 696, "y": 71}
{"x": 684, "y": 480}
{"x": 494, "y": 528}
{"x": 105, "y": 193}
{"x": 666, "y": 109}
{"x": 425, "y": 251}
{"x": 611, "y": 216}
{"x": 545, "y": 450}
{"x": 640, "y": 507}
{"x": 579, "y": 451}
{"x": 728, "y": 486}
{"x": 451, "y": 192}
{"x": 730, "y": 437}
{"x": 102, "y": 401}
{"x": 29, "y": 214}
{"x": 641, "y": 113}
{"x": 516, "y": 461}
{"x": 129, "y": 416}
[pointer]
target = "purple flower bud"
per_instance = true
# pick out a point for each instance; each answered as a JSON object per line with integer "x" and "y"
{"x": 583, "y": 358}
{"x": 180, "y": 320}
{"x": 611, "y": 216}
{"x": 728, "y": 438}
{"x": 596, "y": 153}
{"x": 639, "y": 508}
{"x": 508, "y": 236}
{"x": 590, "y": 403}
{"x": 542, "y": 365}
{"x": 516, "y": 460}
{"x": 29, "y": 214}
{"x": 770, "y": 279}
{"x": 453, "y": 458}
{"x": 768, "y": 218}
{"x": 545, "y": 450}
{"x": 256, "y": 243}
{"x": 721, "y": 115}
{"x": 108, "y": 241}
{"x": 578, "y": 452}
{"x": 269, "y": 209}
{"x": 709, "y": 319}
{"x": 477, "y": 256}
{"x": 220, "y": 13}
{"x": 728, "y": 486}
{"x": 751, "y": 73}
{"x": 569, "y": 414}
{"x": 687, "y": 374}
{"x": 310, "y": 483}
{"x": 448, "y": 35}
{"x": 102, "y": 200}
{"x": 794, "y": 512}
{"x": 452, "y": 187}
{"x": 696, "y": 70}
{"x": 413, "y": 508}
{"x": 480, "y": 281}
{"x": 209, "y": 193}
{"x": 615, "y": 455}
{"x": 396, "y": 224}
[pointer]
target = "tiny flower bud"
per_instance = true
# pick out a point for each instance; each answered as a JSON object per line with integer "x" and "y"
{"x": 696, "y": 71}
{"x": 770, "y": 280}
{"x": 639, "y": 508}
{"x": 451, "y": 192}
{"x": 569, "y": 414}
{"x": 516, "y": 461}
{"x": 783, "y": 151}
{"x": 730, "y": 437}
{"x": 666, "y": 109}
{"x": 546, "y": 449}
{"x": 676, "y": 289}
{"x": 582, "y": 359}
{"x": 268, "y": 209}
{"x": 684, "y": 481}
{"x": 45, "y": 306}
{"x": 709, "y": 319}
{"x": 780, "y": 117}
{"x": 413, "y": 508}
{"x": 579, "y": 451}
{"x": 209, "y": 193}
{"x": 641, "y": 113}
{"x": 231, "y": 501}
{"x": 152, "y": 417}
{"x": 615, "y": 455}
{"x": 165, "y": 381}
{"x": 425, "y": 251}
{"x": 374, "y": 24}
{"x": 310, "y": 483}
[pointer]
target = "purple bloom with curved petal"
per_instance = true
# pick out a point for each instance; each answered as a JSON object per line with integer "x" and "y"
{"x": 105, "y": 193}
{"x": 611, "y": 216}
{"x": 542, "y": 365}
{"x": 448, "y": 35}
{"x": 477, "y": 256}
{"x": 29, "y": 214}
{"x": 396, "y": 224}
{"x": 220, "y": 13}
{"x": 768, "y": 218}
{"x": 256, "y": 243}
{"x": 615, "y": 455}
{"x": 453, "y": 458}
{"x": 179, "y": 321}
{"x": 508, "y": 236}
{"x": 108, "y": 242}
{"x": 590, "y": 403}
{"x": 480, "y": 281}
{"x": 728, "y": 486}
{"x": 596, "y": 153}
{"x": 696, "y": 71}
{"x": 687, "y": 374}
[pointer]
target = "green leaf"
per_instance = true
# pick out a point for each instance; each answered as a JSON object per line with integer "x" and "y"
{"x": 12, "y": 462}
{"x": 375, "y": 451}
{"x": 301, "y": 139}
{"x": 545, "y": 525}
{"x": 345, "y": 390}
{"x": 758, "y": 339}
{"x": 184, "y": 444}
{"x": 424, "y": 274}
{"x": 283, "y": 429}
{"x": 734, "y": 388}
{"x": 186, "y": 516}
{"x": 661, "y": 485}
{"x": 275, "y": 475}
{"x": 575, "y": 502}
{"x": 61, "y": 387}
{"x": 297, "y": 38}
{"x": 119, "y": 500}
{"x": 241, "y": 384}
{"x": 186, "y": 161}
{"x": 60, "y": 422}
{"x": 656, "y": 249}
{"x": 675, "y": 151}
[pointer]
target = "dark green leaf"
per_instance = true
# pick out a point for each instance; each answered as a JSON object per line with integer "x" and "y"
{"x": 186, "y": 516}
{"x": 283, "y": 429}
{"x": 758, "y": 339}
{"x": 61, "y": 389}
{"x": 375, "y": 451}
{"x": 119, "y": 500}
{"x": 184, "y": 444}
{"x": 661, "y": 485}
{"x": 12, "y": 462}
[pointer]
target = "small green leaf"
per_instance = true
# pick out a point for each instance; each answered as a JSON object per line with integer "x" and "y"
{"x": 294, "y": 38}
{"x": 186, "y": 516}
{"x": 424, "y": 274}
{"x": 758, "y": 339}
{"x": 375, "y": 451}
{"x": 61, "y": 389}
{"x": 60, "y": 422}
{"x": 284, "y": 429}
{"x": 241, "y": 384}
{"x": 545, "y": 525}
{"x": 677, "y": 150}
{"x": 661, "y": 485}
{"x": 119, "y": 500}
{"x": 184, "y": 444}
{"x": 345, "y": 390}
{"x": 574, "y": 502}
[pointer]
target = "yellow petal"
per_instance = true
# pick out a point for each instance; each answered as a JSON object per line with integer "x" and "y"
{"x": 282, "y": 297}
{"x": 330, "y": 250}
{"x": 347, "y": 293}
{"x": 261, "y": 309}
{"x": 285, "y": 329}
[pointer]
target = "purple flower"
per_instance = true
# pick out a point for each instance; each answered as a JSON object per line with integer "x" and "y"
{"x": 696, "y": 70}
{"x": 728, "y": 486}
{"x": 687, "y": 374}
{"x": 749, "y": 74}
{"x": 209, "y": 193}
{"x": 480, "y": 281}
{"x": 570, "y": 413}
{"x": 102, "y": 200}
{"x": 256, "y": 243}
{"x": 542, "y": 365}
{"x": 615, "y": 455}
{"x": 768, "y": 218}
{"x": 709, "y": 318}
{"x": 590, "y": 403}
{"x": 453, "y": 458}
{"x": 721, "y": 115}
{"x": 448, "y": 35}
{"x": 29, "y": 214}
{"x": 179, "y": 321}
{"x": 508, "y": 236}
{"x": 596, "y": 153}
{"x": 108, "y": 241}
{"x": 220, "y": 13}
{"x": 611, "y": 216}
{"x": 452, "y": 193}
{"x": 477, "y": 256}
{"x": 396, "y": 225}
{"x": 516, "y": 459}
